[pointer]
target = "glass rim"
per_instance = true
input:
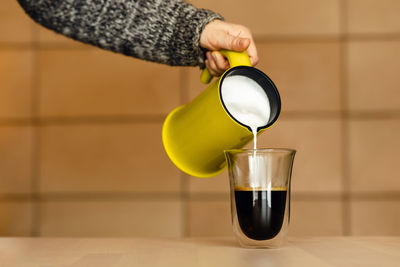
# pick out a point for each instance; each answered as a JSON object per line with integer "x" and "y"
{"x": 261, "y": 150}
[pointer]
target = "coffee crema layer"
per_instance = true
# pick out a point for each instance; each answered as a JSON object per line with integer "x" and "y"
{"x": 248, "y": 188}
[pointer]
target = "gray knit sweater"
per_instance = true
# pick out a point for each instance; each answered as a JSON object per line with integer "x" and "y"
{"x": 164, "y": 31}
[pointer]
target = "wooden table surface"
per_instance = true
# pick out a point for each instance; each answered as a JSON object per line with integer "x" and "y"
{"x": 321, "y": 252}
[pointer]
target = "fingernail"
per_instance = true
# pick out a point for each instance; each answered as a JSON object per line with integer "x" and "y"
{"x": 214, "y": 56}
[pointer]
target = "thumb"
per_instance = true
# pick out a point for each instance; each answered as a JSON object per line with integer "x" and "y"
{"x": 234, "y": 43}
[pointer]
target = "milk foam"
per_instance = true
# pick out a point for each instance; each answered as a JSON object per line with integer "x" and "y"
{"x": 246, "y": 101}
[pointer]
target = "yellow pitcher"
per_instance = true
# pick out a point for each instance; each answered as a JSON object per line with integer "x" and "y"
{"x": 195, "y": 135}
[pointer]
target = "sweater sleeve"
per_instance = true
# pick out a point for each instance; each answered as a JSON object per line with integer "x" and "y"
{"x": 164, "y": 31}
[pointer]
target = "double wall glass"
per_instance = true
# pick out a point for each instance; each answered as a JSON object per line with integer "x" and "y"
{"x": 260, "y": 195}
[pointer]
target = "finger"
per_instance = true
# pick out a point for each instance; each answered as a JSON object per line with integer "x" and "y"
{"x": 221, "y": 63}
{"x": 231, "y": 42}
{"x": 237, "y": 43}
{"x": 210, "y": 64}
{"x": 215, "y": 70}
{"x": 252, "y": 52}
{"x": 210, "y": 69}
{"x": 241, "y": 44}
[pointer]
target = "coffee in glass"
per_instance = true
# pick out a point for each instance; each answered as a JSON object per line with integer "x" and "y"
{"x": 260, "y": 195}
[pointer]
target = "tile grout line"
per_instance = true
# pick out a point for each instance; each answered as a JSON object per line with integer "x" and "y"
{"x": 35, "y": 228}
{"x": 346, "y": 207}
{"x": 109, "y": 196}
{"x": 199, "y": 196}
{"x": 132, "y": 119}
{"x": 184, "y": 182}
{"x": 103, "y": 119}
{"x": 352, "y": 37}
{"x": 159, "y": 118}
{"x": 258, "y": 38}
{"x": 185, "y": 204}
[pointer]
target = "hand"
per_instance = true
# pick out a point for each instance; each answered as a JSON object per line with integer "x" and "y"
{"x": 218, "y": 35}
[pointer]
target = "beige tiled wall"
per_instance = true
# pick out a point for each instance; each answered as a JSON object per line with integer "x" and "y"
{"x": 70, "y": 84}
{"x": 373, "y": 80}
{"x": 16, "y": 79}
{"x": 105, "y": 158}
{"x": 16, "y": 154}
{"x": 98, "y": 217}
{"x": 80, "y": 128}
{"x": 16, "y": 217}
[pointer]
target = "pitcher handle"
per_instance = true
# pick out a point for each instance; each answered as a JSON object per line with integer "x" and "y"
{"x": 234, "y": 58}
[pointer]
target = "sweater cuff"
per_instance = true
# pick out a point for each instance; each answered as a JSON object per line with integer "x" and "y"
{"x": 203, "y": 16}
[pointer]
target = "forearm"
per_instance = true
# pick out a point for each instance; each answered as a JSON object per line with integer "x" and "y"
{"x": 156, "y": 30}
